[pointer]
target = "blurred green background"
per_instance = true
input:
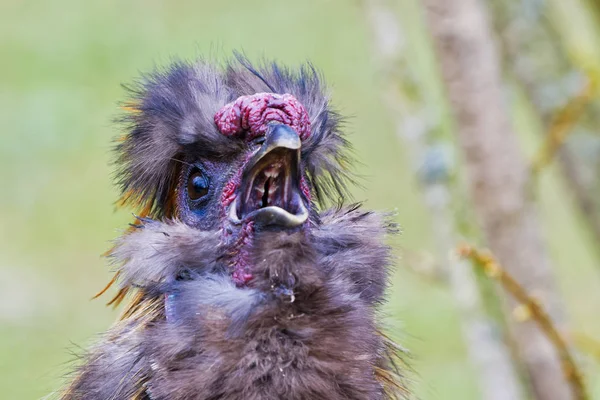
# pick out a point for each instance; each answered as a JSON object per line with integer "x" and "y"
{"x": 61, "y": 64}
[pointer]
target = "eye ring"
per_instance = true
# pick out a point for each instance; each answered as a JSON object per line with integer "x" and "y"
{"x": 198, "y": 184}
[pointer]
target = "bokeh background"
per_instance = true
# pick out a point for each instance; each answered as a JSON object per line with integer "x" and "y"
{"x": 61, "y": 66}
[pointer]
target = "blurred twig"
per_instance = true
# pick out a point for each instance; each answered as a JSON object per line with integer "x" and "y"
{"x": 534, "y": 310}
{"x": 587, "y": 345}
{"x": 562, "y": 124}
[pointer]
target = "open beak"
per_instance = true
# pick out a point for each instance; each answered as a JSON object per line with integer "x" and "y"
{"x": 269, "y": 192}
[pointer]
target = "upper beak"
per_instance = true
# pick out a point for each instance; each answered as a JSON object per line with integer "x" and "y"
{"x": 279, "y": 136}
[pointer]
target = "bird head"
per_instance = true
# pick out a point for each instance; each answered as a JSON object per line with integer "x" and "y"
{"x": 242, "y": 151}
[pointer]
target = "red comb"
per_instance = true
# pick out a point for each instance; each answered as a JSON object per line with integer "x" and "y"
{"x": 250, "y": 115}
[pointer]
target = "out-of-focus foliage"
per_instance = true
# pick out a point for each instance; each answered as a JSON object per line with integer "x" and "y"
{"x": 555, "y": 60}
{"x": 62, "y": 63}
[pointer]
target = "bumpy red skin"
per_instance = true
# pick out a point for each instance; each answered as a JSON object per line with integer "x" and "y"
{"x": 228, "y": 194}
{"x": 242, "y": 269}
{"x": 305, "y": 188}
{"x": 249, "y": 117}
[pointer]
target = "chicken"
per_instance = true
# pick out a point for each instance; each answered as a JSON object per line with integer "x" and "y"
{"x": 240, "y": 286}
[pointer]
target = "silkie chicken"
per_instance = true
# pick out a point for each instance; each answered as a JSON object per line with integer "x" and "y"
{"x": 239, "y": 285}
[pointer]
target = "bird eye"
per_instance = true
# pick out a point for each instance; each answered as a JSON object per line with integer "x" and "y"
{"x": 198, "y": 184}
{"x": 258, "y": 140}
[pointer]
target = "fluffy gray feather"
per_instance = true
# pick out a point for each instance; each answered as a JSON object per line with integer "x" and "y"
{"x": 318, "y": 340}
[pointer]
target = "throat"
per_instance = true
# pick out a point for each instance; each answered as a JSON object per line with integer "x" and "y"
{"x": 265, "y": 196}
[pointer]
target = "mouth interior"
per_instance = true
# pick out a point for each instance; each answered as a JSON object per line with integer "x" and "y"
{"x": 270, "y": 187}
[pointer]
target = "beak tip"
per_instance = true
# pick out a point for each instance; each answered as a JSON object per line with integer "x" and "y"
{"x": 281, "y": 135}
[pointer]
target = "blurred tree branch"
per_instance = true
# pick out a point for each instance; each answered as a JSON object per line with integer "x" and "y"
{"x": 532, "y": 52}
{"x": 562, "y": 125}
{"x": 497, "y": 174}
{"x": 489, "y": 355}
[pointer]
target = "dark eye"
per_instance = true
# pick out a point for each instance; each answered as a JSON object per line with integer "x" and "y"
{"x": 258, "y": 140}
{"x": 198, "y": 184}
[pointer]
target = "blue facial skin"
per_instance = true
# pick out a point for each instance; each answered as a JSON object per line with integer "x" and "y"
{"x": 199, "y": 193}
